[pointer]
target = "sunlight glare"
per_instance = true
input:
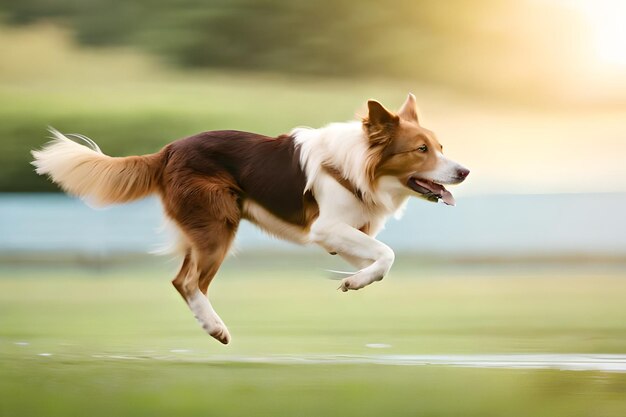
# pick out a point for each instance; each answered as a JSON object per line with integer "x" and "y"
{"x": 606, "y": 20}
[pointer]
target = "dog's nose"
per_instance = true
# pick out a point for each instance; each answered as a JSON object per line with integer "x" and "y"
{"x": 462, "y": 173}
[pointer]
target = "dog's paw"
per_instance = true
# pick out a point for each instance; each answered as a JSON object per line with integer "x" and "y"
{"x": 218, "y": 331}
{"x": 358, "y": 281}
{"x": 345, "y": 285}
{"x": 221, "y": 334}
{"x": 352, "y": 283}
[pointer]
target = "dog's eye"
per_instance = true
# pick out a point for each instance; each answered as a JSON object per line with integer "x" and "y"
{"x": 423, "y": 149}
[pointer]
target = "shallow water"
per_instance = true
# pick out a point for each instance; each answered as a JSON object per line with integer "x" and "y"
{"x": 565, "y": 362}
{"x": 479, "y": 225}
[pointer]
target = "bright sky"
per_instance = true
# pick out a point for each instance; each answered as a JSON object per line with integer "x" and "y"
{"x": 606, "y": 21}
{"x": 513, "y": 151}
{"x": 605, "y": 24}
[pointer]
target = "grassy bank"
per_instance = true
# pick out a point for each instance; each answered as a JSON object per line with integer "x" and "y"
{"x": 50, "y": 387}
{"x": 89, "y": 322}
{"x": 285, "y": 309}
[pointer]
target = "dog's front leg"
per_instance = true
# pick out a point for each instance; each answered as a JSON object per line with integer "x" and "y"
{"x": 354, "y": 244}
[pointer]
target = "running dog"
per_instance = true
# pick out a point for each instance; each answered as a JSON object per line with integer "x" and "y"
{"x": 334, "y": 186}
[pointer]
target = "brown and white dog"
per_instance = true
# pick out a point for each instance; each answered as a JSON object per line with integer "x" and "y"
{"x": 334, "y": 186}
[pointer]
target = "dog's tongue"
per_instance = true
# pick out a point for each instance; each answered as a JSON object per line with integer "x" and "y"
{"x": 448, "y": 198}
{"x": 437, "y": 189}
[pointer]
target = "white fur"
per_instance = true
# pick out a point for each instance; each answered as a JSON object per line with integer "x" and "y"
{"x": 344, "y": 146}
{"x": 445, "y": 171}
{"x": 177, "y": 244}
{"x": 88, "y": 173}
{"x": 53, "y": 159}
{"x": 205, "y": 314}
{"x": 342, "y": 214}
{"x": 272, "y": 224}
{"x": 337, "y": 230}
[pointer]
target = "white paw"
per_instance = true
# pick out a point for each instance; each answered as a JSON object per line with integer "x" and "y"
{"x": 358, "y": 281}
{"x": 220, "y": 333}
{"x": 208, "y": 318}
{"x": 215, "y": 329}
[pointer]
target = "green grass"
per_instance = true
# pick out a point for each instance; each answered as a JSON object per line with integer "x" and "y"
{"x": 86, "y": 319}
{"x": 290, "y": 310}
{"x": 108, "y": 388}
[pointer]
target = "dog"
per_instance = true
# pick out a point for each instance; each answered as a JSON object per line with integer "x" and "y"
{"x": 334, "y": 186}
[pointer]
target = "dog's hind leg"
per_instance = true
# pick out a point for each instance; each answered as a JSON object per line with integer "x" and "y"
{"x": 210, "y": 230}
{"x": 198, "y": 269}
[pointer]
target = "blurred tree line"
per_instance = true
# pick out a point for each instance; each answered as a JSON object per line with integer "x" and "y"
{"x": 449, "y": 42}
{"x": 416, "y": 39}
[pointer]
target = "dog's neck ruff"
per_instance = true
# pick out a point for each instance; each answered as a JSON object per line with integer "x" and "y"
{"x": 341, "y": 150}
{"x": 343, "y": 181}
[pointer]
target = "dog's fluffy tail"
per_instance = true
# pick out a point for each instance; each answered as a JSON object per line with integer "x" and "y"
{"x": 94, "y": 176}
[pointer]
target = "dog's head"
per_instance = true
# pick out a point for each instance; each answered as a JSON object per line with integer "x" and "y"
{"x": 401, "y": 148}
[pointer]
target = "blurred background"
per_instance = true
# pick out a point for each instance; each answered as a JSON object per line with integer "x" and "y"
{"x": 528, "y": 94}
{"x": 531, "y": 95}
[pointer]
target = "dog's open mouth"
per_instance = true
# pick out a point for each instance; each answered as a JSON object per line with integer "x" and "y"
{"x": 431, "y": 190}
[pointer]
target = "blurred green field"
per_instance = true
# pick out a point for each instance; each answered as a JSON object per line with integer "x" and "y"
{"x": 122, "y": 342}
{"x": 143, "y": 117}
{"x": 131, "y": 105}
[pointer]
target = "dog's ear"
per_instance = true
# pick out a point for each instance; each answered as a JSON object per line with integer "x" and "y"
{"x": 380, "y": 123}
{"x": 408, "y": 111}
{"x": 378, "y": 115}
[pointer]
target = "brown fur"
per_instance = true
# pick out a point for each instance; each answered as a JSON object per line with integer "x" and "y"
{"x": 204, "y": 180}
{"x": 394, "y": 140}
{"x": 88, "y": 173}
